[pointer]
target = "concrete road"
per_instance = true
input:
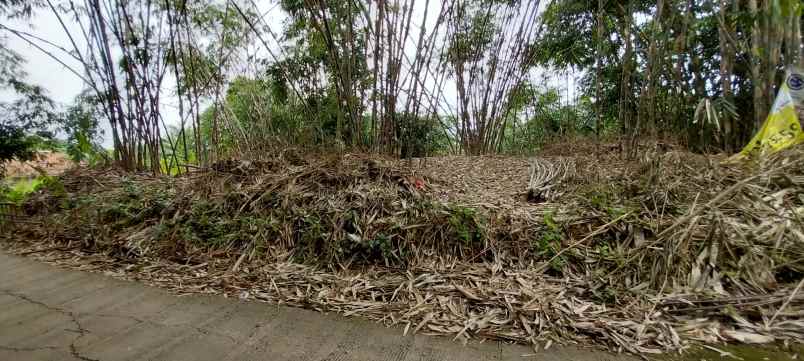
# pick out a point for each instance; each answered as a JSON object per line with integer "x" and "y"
{"x": 47, "y": 313}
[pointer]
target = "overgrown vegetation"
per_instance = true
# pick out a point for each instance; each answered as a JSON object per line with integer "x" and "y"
{"x": 675, "y": 231}
{"x": 406, "y": 78}
{"x": 18, "y": 190}
{"x": 368, "y": 158}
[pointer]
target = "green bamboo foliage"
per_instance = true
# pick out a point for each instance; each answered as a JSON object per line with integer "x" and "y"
{"x": 412, "y": 78}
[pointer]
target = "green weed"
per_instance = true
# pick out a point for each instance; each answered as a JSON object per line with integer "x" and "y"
{"x": 18, "y": 191}
{"x": 548, "y": 243}
{"x": 606, "y": 201}
{"x": 382, "y": 245}
{"x": 466, "y": 225}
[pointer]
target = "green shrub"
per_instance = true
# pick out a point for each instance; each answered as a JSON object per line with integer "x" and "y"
{"x": 548, "y": 243}
{"x": 17, "y": 192}
{"x": 466, "y": 225}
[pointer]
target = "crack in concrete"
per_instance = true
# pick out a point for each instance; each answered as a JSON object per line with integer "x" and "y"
{"x": 72, "y": 315}
{"x": 28, "y": 349}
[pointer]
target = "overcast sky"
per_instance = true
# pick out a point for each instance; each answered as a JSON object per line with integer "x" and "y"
{"x": 42, "y": 70}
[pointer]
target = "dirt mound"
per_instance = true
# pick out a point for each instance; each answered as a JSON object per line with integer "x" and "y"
{"x": 639, "y": 255}
{"x": 52, "y": 163}
{"x": 334, "y": 210}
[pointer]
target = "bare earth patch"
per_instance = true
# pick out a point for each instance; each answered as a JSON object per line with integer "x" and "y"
{"x": 53, "y": 163}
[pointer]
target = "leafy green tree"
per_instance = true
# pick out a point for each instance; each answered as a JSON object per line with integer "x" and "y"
{"x": 26, "y": 121}
{"x": 658, "y": 61}
{"x": 420, "y": 136}
{"x": 81, "y": 124}
{"x": 327, "y": 38}
{"x": 538, "y": 116}
{"x": 570, "y": 42}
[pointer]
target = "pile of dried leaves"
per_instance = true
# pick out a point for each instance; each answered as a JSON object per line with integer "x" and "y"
{"x": 640, "y": 256}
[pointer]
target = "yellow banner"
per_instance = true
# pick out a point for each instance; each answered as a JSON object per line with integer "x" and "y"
{"x": 782, "y": 128}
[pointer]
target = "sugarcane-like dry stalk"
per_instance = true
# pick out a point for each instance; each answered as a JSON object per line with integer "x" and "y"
{"x": 545, "y": 175}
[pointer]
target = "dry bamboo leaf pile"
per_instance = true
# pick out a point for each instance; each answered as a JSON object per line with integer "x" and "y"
{"x": 641, "y": 257}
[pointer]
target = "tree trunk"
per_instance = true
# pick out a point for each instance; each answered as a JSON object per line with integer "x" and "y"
{"x": 624, "y": 112}
{"x": 795, "y": 42}
{"x": 727, "y": 55}
{"x": 599, "y": 70}
{"x": 774, "y": 31}
{"x": 648, "y": 104}
{"x": 760, "y": 107}
{"x": 680, "y": 48}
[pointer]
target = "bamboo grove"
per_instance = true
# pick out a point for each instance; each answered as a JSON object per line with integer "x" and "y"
{"x": 411, "y": 78}
{"x": 706, "y": 69}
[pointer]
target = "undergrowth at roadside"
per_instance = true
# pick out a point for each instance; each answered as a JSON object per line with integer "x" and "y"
{"x": 549, "y": 243}
{"x": 640, "y": 243}
{"x": 348, "y": 214}
{"x": 18, "y": 190}
{"x": 168, "y": 218}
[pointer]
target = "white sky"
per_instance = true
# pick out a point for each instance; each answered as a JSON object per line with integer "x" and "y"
{"x": 42, "y": 70}
{"x": 63, "y": 85}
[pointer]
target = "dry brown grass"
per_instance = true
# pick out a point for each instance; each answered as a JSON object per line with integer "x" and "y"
{"x": 642, "y": 255}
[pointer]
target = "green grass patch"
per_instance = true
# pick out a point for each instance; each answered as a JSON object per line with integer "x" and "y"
{"x": 18, "y": 190}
